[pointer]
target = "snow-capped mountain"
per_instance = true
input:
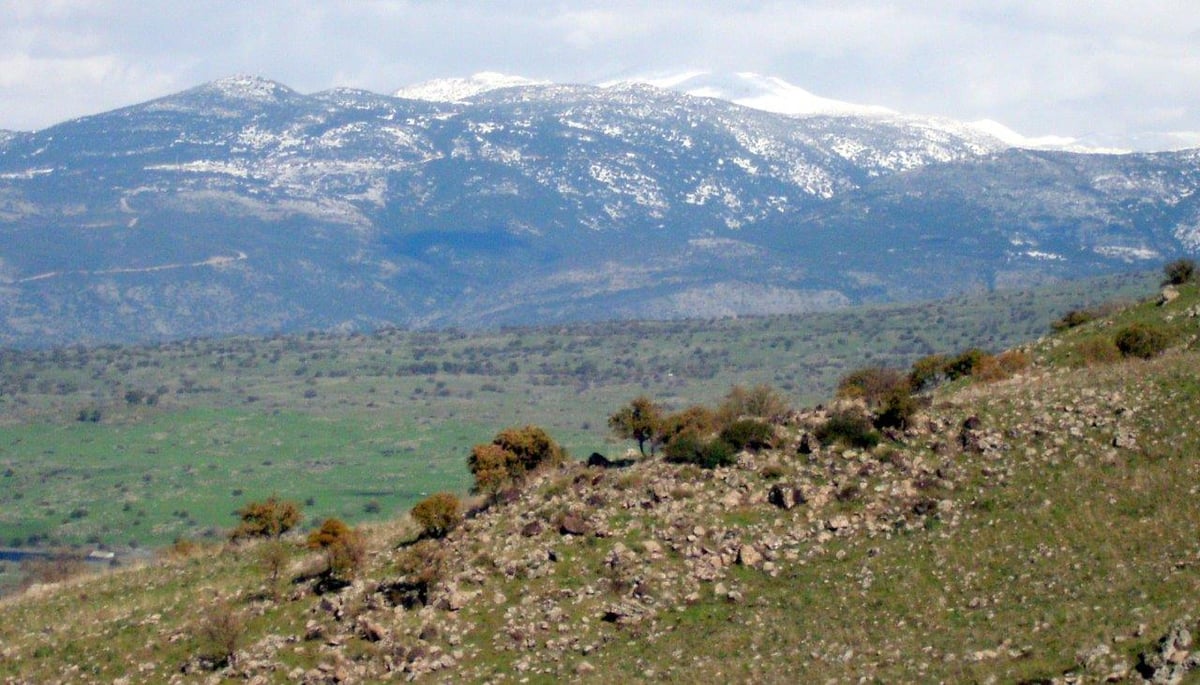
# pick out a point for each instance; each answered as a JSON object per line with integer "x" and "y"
{"x": 242, "y": 205}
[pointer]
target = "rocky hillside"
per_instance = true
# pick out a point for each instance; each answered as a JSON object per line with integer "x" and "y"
{"x": 1032, "y": 524}
{"x": 243, "y": 206}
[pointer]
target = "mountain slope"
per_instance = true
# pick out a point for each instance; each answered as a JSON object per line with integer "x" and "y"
{"x": 243, "y": 206}
{"x": 1036, "y": 528}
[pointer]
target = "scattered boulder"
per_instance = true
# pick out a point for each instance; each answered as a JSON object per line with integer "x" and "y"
{"x": 1170, "y": 660}
{"x": 1125, "y": 439}
{"x": 748, "y": 555}
{"x": 1168, "y": 295}
{"x": 370, "y": 630}
{"x": 573, "y": 524}
{"x": 623, "y": 613}
{"x": 785, "y": 496}
{"x": 839, "y": 522}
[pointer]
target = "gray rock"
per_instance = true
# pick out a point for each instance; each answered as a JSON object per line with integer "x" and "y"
{"x": 748, "y": 555}
{"x": 573, "y": 524}
{"x": 785, "y": 496}
{"x": 1168, "y": 295}
{"x": 1125, "y": 439}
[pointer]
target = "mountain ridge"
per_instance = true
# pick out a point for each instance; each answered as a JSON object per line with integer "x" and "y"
{"x": 518, "y": 205}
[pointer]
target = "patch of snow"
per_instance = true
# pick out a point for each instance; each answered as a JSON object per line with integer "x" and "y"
{"x": 748, "y": 89}
{"x": 1014, "y": 139}
{"x": 26, "y": 175}
{"x": 203, "y": 166}
{"x": 1189, "y": 236}
{"x": 1127, "y": 254}
{"x": 245, "y": 87}
{"x": 459, "y": 89}
{"x": 746, "y": 165}
{"x": 1045, "y": 256}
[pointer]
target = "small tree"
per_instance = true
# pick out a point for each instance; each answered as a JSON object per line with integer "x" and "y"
{"x": 344, "y": 547}
{"x": 490, "y": 464}
{"x": 640, "y": 420}
{"x": 270, "y": 518}
{"x": 1179, "y": 272}
{"x": 218, "y": 634}
{"x": 532, "y": 446}
{"x": 272, "y": 558}
{"x": 438, "y": 514}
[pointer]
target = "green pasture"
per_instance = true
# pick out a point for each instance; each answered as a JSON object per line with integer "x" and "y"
{"x": 140, "y": 445}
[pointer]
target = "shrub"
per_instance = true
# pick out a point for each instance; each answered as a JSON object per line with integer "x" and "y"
{"x": 897, "y": 409}
{"x": 690, "y": 448}
{"x": 183, "y": 548}
{"x": 344, "y": 547}
{"x": 849, "y": 429}
{"x": 218, "y": 634}
{"x": 1001, "y": 366}
{"x": 272, "y": 557}
{"x": 1098, "y": 351}
{"x": 532, "y": 446}
{"x": 761, "y": 401}
{"x": 1141, "y": 340}
{"x": 270, "y": 518}
{"x": 639, "y": 420}
{"x": 1179, "y": 272}
{"x": 422, "y": 565}
{"x": 773, "y": 471}
{"x": 964, "y": 363}
{"x": 52, "y": 569}
{"x": 872, "y": 384}
{"x": 512, "y": 454}
{"x": 88, "y": 415}
{"x": 1073, "y": 318}
{"x": 438, "y": 514}
{"x": 490, "y": 465}
{"x": 927, "y": 372}
{"x": 748, "y": 434}
{"x": 696, "y": 419}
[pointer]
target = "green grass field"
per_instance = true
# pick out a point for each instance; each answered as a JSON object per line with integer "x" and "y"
{"x": 363, "y": 426}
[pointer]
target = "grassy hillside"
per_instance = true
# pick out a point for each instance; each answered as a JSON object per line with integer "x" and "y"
{"x": 1037, "y": 528}
{"x": 138, "y": 446}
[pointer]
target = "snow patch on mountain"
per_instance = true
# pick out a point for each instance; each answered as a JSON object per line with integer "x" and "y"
{"x": 748, "y": 89}
{"x": 251, "y": 88}
{"x": 1014, "y": 139}
{"x": 773, "y": 94}
{"x": 459, "y": 89}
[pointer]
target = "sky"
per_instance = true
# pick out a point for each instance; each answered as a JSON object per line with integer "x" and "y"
{"x": 1118, "y": 73}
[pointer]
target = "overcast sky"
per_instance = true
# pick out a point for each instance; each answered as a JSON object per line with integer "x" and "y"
{"x": 1111, "y": 72}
